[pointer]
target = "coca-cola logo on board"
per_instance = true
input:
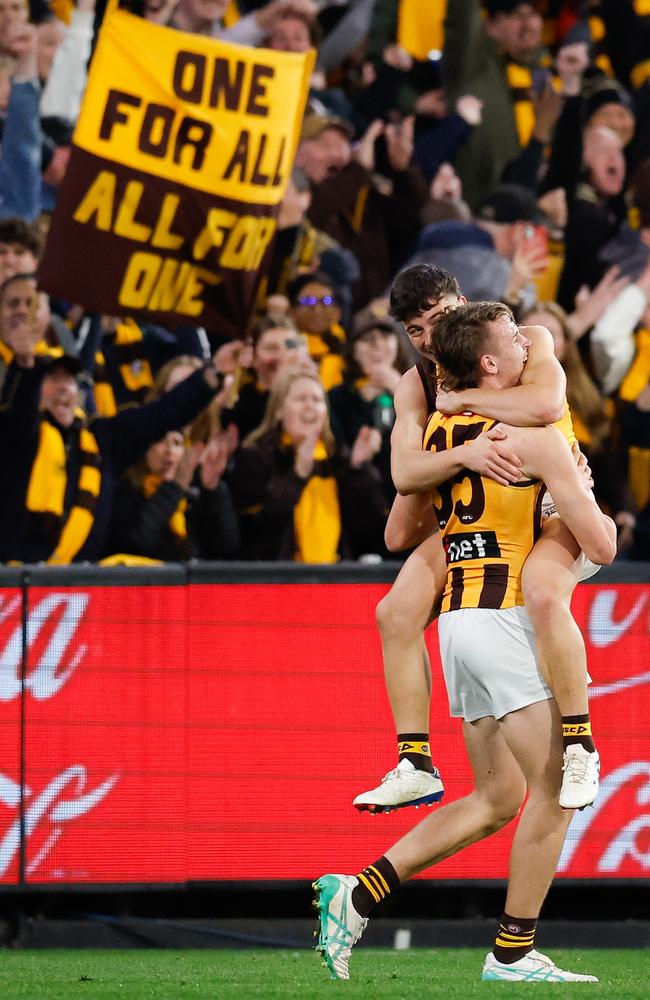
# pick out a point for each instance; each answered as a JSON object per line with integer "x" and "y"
{"x": 63, "y": 799}
{"x": 57, "y": 660}
{"x": 52, "y": 658}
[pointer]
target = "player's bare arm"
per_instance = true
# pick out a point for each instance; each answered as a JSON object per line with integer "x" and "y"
{"x": 412, "y": 519}
{"x": 418, "y": 471}
{"x": 546, "y": 455}
{"x": 538, "y": 400}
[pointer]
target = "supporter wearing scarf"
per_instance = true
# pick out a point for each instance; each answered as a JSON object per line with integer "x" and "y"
{"x": 177, "y": 523}
{"x": 298, "y": 499}
{"x": 122, "y": 374}
{"x": 48, "y": 485}
{"x": 316, "y": 312}
{"x": 317, "y": 515}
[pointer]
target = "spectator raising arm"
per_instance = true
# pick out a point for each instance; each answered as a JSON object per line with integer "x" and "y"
{"x": 20, "y": 163}
{"x": 67, "y": 80}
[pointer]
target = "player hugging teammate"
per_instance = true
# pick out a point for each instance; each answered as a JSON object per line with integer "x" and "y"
{"x": 503, "y": 573}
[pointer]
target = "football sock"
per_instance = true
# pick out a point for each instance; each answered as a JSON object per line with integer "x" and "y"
{"x": 515, "y": 938}
{"x": 375, "y": 883}
{"x": 577, "y": 729}
{"x": 416, "y": 748}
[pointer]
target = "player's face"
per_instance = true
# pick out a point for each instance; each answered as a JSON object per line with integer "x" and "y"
{"x": 508, "y": 352}
{"x": 420, "y": 328}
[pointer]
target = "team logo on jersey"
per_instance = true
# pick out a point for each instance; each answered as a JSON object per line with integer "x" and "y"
{"x": 471, "y": 545}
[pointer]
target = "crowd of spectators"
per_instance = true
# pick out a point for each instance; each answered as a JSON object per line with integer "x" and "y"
{"x": 506, "y": 141}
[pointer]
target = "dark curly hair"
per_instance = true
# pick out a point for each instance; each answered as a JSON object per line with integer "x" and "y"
{"x": 417, "y": 289}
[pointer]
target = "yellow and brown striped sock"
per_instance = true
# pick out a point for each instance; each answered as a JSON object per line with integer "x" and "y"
{"x": 416, "y": 748}
{"x": 515, "y": 938}
{"x": 577, "y": 729}
{"x": 376, "y": 882}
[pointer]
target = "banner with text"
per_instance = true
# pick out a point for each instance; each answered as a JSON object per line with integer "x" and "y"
{"x": 180, "y": 158}
{"x": 141, "y": 707}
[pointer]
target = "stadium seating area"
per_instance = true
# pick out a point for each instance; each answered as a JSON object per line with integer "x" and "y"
{"x": 507, "y": 142}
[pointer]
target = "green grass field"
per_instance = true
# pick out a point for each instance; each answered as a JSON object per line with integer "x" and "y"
{"x": 418, "y": 974}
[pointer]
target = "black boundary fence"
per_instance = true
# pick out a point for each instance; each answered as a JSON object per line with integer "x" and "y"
{"x": 578, "y": 912}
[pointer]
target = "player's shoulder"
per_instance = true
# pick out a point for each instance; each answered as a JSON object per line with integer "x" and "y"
{"x": 541, "y": 339}
{"x": 409, "y": 394}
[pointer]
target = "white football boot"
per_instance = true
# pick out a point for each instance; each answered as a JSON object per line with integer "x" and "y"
{"x": 581, "y": 776}
{"x": 339, "y": 924}
{"x": 405, "y": 785}
{"x": 532, "y": 968}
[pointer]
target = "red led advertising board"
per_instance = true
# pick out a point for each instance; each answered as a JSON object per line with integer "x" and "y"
{"x": 209, "y": 732}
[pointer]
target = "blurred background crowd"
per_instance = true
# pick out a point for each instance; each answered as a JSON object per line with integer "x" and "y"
{"x": 507, "y": 142}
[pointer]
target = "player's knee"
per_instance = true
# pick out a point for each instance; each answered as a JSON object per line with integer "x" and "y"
{"x": 503, "y": 805}
{"x": 542, "y": 598}
{"x": 392, "y": 617}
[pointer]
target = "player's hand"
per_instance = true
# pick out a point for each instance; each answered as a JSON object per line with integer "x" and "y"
{"x": 490, "y": 456}
{"x": 450, "y": 402}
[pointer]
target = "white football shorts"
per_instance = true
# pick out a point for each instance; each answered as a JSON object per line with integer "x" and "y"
{"x": 586, "y": 567}
{"x": 489, "y": 661}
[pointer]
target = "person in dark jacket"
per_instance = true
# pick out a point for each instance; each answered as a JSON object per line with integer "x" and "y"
{"x": 376, "y": 360}
{"x": 298, "y": 497}
{"x": 159, "y": 514}
{"x": 596, "y": 213}
{"x": 59, "y": 469}
{"x": 275, "y": 344}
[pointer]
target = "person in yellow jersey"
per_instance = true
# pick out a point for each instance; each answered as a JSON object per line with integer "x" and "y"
{"x": 511, "y": 722}
{"x": 420, "y": 296}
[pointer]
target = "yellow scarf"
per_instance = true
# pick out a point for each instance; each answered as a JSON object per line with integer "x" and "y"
{"x": 327, "y": 351}
{"x": 177, "y": 522}
{"x": 42, "y": 349}
{"x": 420, "y": 26}
{"x": 47, "y": 485}
{"x": 638, "y": 376}
{"x": 520, "y": 81}
{"x": 317, "y": 515}
{"x": 135, "y": 370}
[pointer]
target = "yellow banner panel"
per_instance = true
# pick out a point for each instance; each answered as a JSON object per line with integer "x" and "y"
{"x": 221, "y": 118}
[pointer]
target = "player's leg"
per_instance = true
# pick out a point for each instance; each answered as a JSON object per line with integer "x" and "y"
{"x": 497, "y": 796}
{"x": 549, "y": 577}
{"x": 534, "y": 735}
{"x": 344, "y": 901}
{"x": 402, "y": 616}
